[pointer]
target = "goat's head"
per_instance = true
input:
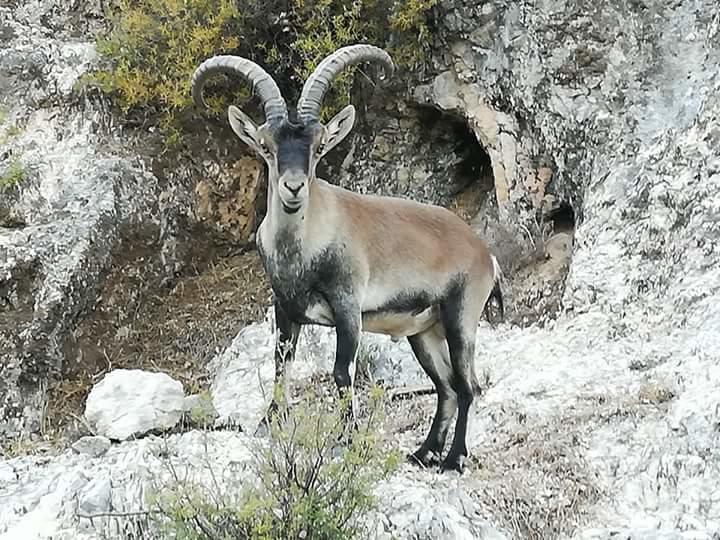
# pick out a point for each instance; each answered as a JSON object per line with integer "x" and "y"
{"x": 291, "y": 149}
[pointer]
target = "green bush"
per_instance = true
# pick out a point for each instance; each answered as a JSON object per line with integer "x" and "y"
{"x": 153, "y": 46}
{"x": 9, "y": 131}
{"x": 304, "y": 490}
{"x": 14, "y": 174}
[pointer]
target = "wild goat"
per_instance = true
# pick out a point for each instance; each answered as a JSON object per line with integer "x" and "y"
{"x": 361, "y": 262}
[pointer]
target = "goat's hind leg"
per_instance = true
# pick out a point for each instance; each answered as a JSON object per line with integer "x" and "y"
{"x": 431, "y": 351}
{"x": 461, "y": 313}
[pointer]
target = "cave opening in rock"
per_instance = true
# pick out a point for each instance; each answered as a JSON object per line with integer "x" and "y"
{"x": 474, "y": 166}
{"x": 562, "y": 218}
{"x": 538, "y": 285}
{"x": 463, "y": 160}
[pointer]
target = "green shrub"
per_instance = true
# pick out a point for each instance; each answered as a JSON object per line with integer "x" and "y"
{"x": 153, "y": 46}
{"x": 409, "y": 18}
{"x": 14, "y": 174}
{"x": 304, "y": 489}
{"x": 7, "y": 132}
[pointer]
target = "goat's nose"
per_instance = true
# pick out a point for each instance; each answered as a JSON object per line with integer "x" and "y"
{"x": 294, "y": 191}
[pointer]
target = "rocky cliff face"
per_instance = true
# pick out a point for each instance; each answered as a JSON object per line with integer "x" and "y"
{"x": 61, "y": 217}
{"x": 93, "y": 222}
{"x": 599, "y": 123}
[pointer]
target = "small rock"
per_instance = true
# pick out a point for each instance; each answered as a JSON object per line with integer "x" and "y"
{"x": 92, "y": 446}
{"x": 96, "y": 497}
{"x": 131, "y": 402}
{"x": 7, "y": 474}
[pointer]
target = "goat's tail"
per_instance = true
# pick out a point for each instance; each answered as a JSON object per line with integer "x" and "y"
{"x": 496, "y": 293}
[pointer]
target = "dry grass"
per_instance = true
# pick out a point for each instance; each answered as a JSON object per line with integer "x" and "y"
{"x": 535, "y": 479}
{"x": 467, "y": 203}
{"x": 534, "y": 475}
{"x": 138, "y": 323}
{"x": 654, "y": 393}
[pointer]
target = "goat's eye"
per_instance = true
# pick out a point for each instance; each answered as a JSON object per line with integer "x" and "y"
{"x": 264, "y": 147}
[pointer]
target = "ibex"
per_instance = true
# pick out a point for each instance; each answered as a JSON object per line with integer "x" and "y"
{"x": 361, "y": 262}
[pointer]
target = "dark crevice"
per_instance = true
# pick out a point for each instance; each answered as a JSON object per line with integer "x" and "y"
{"x": 475, "y": 163}
{"x": 538, "y": 286}
{"x": 562, "y": 218}
{"x": 17, "y": 294}
{"x": 471, "y": 166}
{"x": 472, "y": 170}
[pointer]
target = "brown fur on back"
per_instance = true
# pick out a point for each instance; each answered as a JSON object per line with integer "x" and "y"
{"x": 389, "y": 229}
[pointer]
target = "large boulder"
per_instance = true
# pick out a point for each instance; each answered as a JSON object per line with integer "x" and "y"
{"x": 131, "y": 402}
{"x": 243, "y": 374}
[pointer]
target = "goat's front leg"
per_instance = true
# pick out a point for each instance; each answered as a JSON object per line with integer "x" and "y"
{"x": 348, "y": 322}
{"x": 286, "y": 337}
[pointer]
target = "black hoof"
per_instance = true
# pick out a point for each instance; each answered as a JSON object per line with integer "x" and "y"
{"x": 263, "y": 429}
{"x": 453, "y": 463}
{"x": 424, "y": 458}
{"x": 271, "y": 415}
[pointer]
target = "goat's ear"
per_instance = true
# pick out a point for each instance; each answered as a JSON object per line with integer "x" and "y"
{"x": 337, "y": 129}
{"x": 247, "y": 130}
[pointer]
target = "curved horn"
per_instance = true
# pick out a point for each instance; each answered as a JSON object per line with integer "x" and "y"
{"x": 262, "y": 83}
{"x": 317, "y": 84}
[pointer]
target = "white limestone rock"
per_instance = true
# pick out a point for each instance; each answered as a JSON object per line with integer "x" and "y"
{"x": 93, "y": 446}
{"x": 131, "y": 402}
{"x": 243, "y": 374}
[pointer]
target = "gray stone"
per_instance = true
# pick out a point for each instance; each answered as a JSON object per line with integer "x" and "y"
{"x": 241, "y": 388}
{"x": 425, "y": 509}
{"x": 55, "y": 498}
{"x": 391, "y": 363}
{"x": 69, "y": 497}
{"x": 131, "y": 402}
{"x": 199, "y": 410}
{"x": 96, "y": 497}
{"x": 243, "y": 374}
{"x": 93, "y": 446}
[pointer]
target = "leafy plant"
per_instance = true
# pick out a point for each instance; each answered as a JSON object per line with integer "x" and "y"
{"x": 304, "y": 489}
{"x": 409, "y": 18}
{"x": 153, "y": 46}
{"x": 14, "y": 174}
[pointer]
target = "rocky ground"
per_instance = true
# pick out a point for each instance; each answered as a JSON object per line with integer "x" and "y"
{"x": 601, "y": 415}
